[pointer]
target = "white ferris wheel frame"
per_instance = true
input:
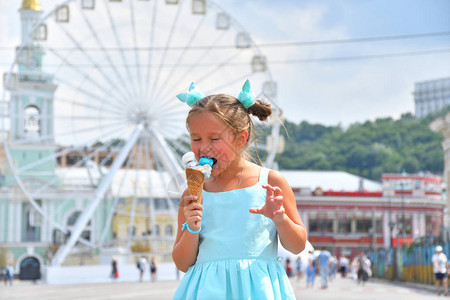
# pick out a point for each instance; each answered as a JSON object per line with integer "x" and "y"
{"x": 158, "y": 142}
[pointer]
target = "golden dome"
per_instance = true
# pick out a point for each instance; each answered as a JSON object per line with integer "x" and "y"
{"x": 31, "y": 4}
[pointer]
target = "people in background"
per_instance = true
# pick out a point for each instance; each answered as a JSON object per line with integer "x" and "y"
{"x": 439, "y": 261}
{"x": 324, "y": 266}
{"x": 114, "y": 269}
{"x": 298, "y": 267}
{"x": 9, "y": 274}
{"x": 153, "y": 269}
{"x": 310, "y": 269}
{"x": 343, "y": 265}
{"x": 289, "y": 271}
{"x": 364, "y": 270}
{"x": 141, "y": 263}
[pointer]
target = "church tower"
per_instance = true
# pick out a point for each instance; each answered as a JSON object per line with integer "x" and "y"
{"x": 31, "y": 99}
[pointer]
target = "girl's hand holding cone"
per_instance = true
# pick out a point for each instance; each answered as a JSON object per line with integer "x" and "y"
{"x": 193, "y": 212}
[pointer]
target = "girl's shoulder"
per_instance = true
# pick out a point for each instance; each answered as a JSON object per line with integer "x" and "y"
{"x": 275, "y": 178}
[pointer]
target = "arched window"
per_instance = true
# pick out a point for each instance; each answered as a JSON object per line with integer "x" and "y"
{"x": 32, "y": 122}
{"x": 169, "y": 230}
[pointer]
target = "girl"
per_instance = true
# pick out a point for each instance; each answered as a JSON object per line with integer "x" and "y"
{"x": 228, "y": 244}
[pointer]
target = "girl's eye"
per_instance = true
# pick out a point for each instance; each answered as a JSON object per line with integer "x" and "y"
{"x": 195, "y": 140}
{"x": 214, "y": 139}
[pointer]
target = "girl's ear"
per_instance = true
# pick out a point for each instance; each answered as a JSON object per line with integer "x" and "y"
{"x": 242, "y": 138}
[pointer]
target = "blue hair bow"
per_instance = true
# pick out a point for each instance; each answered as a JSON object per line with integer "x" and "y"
{"x": 246, "y": 96}
{"x": 192, "y": 96}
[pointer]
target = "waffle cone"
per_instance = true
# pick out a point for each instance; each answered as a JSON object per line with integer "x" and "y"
{"x": 195, "y": 180}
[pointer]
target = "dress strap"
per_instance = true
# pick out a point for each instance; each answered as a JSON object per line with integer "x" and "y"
{"x": 264, "y": 176}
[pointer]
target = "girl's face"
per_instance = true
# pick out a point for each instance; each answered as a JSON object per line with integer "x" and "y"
{"x": 212, "y": 137}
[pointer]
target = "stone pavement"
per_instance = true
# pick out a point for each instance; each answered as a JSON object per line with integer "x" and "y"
{"x": 348, "y": 289}
{"x": 338, "y": 289}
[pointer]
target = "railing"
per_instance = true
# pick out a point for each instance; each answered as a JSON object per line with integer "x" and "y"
{"x": 410, "y": 264}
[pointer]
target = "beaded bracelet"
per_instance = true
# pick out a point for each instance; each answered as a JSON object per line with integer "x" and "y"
{"x": 185, "y": 225}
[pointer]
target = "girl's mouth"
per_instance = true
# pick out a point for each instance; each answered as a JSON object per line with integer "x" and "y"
{"x": 213, "y": 159}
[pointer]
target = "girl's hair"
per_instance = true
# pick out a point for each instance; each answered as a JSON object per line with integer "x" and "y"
{"x": 234, "y": 114}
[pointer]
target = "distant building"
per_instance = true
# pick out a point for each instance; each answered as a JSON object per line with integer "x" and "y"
{"x": 431, "y": 96}
{"x": 348, "y": 213}
{"x": 442, "y": 125}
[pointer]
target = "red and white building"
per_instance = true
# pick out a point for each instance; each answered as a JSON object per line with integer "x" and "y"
{"x": 347, "y": 213}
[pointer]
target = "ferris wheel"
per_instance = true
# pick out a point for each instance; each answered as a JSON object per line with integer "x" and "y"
{"x": 112, "y": 127}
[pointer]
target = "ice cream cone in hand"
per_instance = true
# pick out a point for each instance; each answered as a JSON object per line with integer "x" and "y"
{"x": 195, "y": 180}
{"x": 196, "y": 173}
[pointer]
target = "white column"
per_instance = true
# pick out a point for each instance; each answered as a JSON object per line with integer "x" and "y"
{"x": 11, "y": 224}
{"x": 415, "y": 227}
{"x": 3, "y": 223}
{"x": 18, "y": 221}
{"x": 44, "y": 225}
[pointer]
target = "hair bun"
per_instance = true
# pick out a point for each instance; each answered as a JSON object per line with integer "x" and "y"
{"x": 260, "y": 109}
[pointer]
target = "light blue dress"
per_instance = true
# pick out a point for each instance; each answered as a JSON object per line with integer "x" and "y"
{"x": 237, "y": 256}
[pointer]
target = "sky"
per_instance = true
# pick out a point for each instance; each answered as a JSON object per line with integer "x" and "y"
{"x": 327, "y": 83}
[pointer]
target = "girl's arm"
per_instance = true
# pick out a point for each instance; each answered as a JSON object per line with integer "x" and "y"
{"x": 281, "y": 208}
{"x": 185, "y": 249}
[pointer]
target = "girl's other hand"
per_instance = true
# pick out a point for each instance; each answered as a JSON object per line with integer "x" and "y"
{"x": 273, "y": 209}
{"x": 193, "y": 212}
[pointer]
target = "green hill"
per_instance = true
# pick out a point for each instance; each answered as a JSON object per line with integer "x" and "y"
{"x": 368, "y": 149}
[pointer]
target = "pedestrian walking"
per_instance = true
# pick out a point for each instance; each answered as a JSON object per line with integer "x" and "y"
{"x": 310, "y": 269}
{"x": 298, "y": 267}
{"x": 343, "y": 266}
{"x": 153, "y": 269}
{"x": 333, "y": 266}
{"x": 439, "y": 261}
{"x": 114, "y": 269}
{"x": 140, "y": 264}
{"x": 324, "y": 266}
{"x": 289, "y": 271}
{"x": 9, "y": 274}
{"x": 364, "y": 268}
{"x": 354, "y": 266}
{"x": 245, "y": 207}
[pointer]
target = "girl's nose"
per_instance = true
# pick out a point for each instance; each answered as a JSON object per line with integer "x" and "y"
{"x": 205, "y": 146}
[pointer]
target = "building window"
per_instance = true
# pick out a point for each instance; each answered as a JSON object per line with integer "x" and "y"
{"x": 433, "y": 225}
{"x": 363, "y": 225}
{"x": 32, "y": 122}
{"x": 175, "y": 202}
{"x": 378, "y": 226}
{"x": 131, "y": 231}
{"x": 31, "y": 232}
{"x": 404, "y": 225}
{"x": 161, "y": 204}
{"x": 321, "y": 222}
{"x": 72, "y": 159}
{"x": 58, "y": 237}
{"x": 73, "y": 218}
{"x": 344, "y": 226}
{"x": 344, "y": 222}
{"x": 71, "y": 221}
{"x": 169, "y": 230}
